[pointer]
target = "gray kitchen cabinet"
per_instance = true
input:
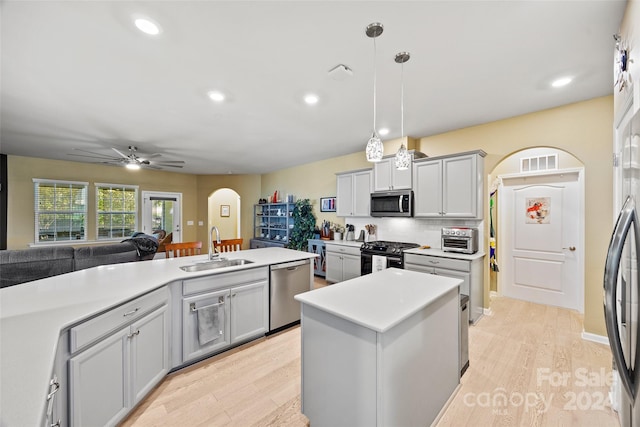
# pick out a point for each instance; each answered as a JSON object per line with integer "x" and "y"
{"x": 449, "y": 186}
{"x": 470, "y": 271}
{"x": 353, "y": 193}
{"x": 249, "y": 311}
{"x": 343, "y": 263}
{"x": 113, "y": 370}
{"x": 387, "y": 177}
{"x": 239, "y": 302}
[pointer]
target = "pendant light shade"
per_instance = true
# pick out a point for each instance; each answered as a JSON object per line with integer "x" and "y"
{"x": 374, "y": 148}
{"x": 403, "y": 159}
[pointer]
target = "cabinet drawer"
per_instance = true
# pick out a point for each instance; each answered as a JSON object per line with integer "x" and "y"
{"x": 347, "y": 250}
{"x": 91, "y": 330}
{"x": 225, "y": 280}
{"x": 438, "y": 262}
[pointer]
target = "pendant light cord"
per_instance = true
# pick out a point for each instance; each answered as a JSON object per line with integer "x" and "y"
{"x": 374, "y": 85}
{"x": 402, "y": 100}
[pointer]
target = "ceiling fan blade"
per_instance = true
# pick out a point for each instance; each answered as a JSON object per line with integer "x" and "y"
{"x": 169, "y": 166}
{"x": 120, "y": 153}
{"x": 151, "y": 167}
{"x": 169, "y": 161}
{"x": 89, "y": 152}
{"x": 150, "y": 156}
{"x": 93, "y": 157}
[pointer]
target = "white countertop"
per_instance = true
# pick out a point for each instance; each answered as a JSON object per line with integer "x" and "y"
{"x": 32, "y": 316}
{"x": 443, "y": 254}
{"x": 381, "y": 300}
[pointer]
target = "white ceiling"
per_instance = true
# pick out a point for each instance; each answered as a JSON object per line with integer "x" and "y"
{"x": 79, "y": 75}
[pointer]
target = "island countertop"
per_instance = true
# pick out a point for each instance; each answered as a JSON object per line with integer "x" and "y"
{"x": 381, "y": 300}
{"x": 32, "y": 316}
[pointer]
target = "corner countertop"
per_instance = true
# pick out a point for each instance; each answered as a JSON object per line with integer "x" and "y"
{"x": 443, "y": 254}
{"x": 381, "y": 300}
{"x": 33, "y": 315}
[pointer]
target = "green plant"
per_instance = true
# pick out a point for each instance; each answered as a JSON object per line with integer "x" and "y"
{"x": 304, "y": 221}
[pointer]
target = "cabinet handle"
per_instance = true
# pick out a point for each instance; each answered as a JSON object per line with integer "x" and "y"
{"x": 233, "y": 295}
{"x": 56, "y": 386}
{"x": 133, "y": 334}
{"x": 56, "y": 424}
{"x": 129, "y": 313}
{"x": 434, "y": 262}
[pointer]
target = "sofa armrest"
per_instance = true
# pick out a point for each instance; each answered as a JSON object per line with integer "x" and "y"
{"x": 91, "y": 256}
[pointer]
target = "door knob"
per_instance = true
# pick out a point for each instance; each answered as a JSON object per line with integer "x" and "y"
{"x": 571, "y": 248}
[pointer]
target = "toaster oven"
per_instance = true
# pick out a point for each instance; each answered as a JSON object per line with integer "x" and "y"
{"x": 459, "y": 239}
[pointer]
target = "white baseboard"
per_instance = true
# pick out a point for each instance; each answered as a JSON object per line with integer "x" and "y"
{"x": 493, "y": 294}
{"x": 587, "y": 336}
{"x": 487, "y": 311}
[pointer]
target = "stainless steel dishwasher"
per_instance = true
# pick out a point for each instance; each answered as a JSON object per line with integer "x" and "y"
{"x": 287, "y": 280}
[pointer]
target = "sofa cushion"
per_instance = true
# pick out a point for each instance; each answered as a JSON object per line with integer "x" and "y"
{"x": 91, "y": 256}
{"x": 24, "y": 265}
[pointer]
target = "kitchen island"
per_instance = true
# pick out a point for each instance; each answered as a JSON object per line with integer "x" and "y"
{"x": 381, "y": 349}
{"x": 36, "y": 317}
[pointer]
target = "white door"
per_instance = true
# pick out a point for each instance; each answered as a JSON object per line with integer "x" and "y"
{"x": 161, "y": 211}
{"x": 541, "y": 238}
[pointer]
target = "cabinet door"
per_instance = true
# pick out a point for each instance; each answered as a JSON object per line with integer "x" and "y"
{"x": 400, "y": 179}
{"x": 361, "y": 193}
{"x": 149, "y": 352}
{"x": 249, "y": 311}
{"x": 334, "y": 267}
{"x": 428, "y": 189}
{"x": 217, "y": 301}
{"x": 350, "y": 267}
{"x": 382, "y": 175}
{"x": 344, "y": 195}
{"x": 99, "y": 382}
{"x": 459, "y": 187}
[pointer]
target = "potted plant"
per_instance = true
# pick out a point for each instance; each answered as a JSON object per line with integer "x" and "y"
{"x": 304, "y": 222}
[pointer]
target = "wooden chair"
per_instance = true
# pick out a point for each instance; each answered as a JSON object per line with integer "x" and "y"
{"x": 229, "y": 245}
{"x": 176, "y": 250}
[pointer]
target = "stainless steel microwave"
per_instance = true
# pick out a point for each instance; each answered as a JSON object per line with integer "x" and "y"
{"x": 392, "y": 203}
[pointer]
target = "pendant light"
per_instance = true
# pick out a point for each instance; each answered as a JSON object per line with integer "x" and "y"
{"x": 403, "y": 159}
{"x": 374, "y": 146}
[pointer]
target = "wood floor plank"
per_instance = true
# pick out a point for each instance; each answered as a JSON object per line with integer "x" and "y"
{"x": 527, "y": 363}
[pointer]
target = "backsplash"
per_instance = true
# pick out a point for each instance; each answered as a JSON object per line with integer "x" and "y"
{"x": 413, "y": 230}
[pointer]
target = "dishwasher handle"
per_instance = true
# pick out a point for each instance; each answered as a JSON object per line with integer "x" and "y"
{"x": 289, "y": 265}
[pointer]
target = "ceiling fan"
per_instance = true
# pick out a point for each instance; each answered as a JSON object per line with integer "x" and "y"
{"x": 131, "y": 160}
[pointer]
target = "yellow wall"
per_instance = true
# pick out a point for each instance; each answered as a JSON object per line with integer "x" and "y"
{"x": 22, "y": 170}
{"x": 249, "y": 189}
{"x": 583, "y": 129}
{"x": 228, "y": 225}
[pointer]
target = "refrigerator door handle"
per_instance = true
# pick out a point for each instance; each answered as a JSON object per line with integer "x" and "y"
{"x": 626, "y": 219}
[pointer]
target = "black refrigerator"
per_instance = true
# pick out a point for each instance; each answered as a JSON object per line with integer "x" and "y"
{"x": 621, "y": 272}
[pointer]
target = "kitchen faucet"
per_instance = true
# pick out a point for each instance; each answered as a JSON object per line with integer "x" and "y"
{"x": 211, "y": 254}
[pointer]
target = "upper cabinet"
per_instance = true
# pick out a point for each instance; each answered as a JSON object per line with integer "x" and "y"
{"x": 449, "y": 186}
{"x": 387, "y": 177}
{"x": 353, "y": 193}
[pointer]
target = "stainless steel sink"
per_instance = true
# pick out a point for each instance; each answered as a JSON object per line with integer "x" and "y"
{"x": 218, "y": 263}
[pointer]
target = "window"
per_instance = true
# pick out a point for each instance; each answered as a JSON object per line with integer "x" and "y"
{"x": 60, "y": 210}
{"x": 117, "y": 210}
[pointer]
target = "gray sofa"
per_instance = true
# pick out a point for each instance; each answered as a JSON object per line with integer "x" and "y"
{"x": 24, "y": 265}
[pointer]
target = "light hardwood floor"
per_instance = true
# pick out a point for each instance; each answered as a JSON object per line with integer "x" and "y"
{"x": 531, "y": 355}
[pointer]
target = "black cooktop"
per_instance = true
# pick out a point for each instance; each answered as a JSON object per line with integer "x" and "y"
{"x": 383, "y": 247}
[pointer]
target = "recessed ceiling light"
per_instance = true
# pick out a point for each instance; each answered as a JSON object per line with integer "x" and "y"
{"x": 311, "y": 99}
{"x": 147, "y": 26}
{"x": 216, "y": 96}
{"x": 563, "y": 81}
{"x": 383, "y": 131}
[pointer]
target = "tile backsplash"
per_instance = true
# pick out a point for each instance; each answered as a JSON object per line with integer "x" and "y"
{"x": 413, "y": 230}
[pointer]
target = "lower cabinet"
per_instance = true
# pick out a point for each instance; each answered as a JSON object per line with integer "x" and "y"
{"x": 110, "y": 377}
{"x": 223, "y": 310}
{"x": 342, "y": 262}
{"x": 469, "y": 271}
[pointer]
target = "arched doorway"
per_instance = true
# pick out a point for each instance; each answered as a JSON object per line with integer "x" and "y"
{"x": 224, "y": 212}
{"x": 537, "y": 214}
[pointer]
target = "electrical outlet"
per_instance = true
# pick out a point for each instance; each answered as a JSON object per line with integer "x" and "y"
{"x": 200, "y": 223}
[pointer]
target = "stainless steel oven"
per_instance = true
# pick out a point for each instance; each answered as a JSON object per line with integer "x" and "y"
{"x": 460, "y": 239}
{"x": 389, "y": 253}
